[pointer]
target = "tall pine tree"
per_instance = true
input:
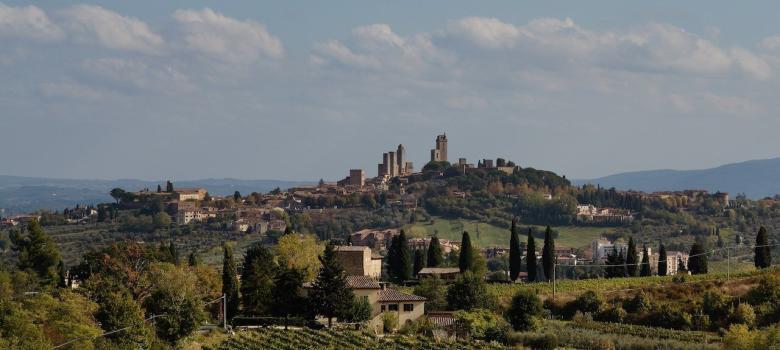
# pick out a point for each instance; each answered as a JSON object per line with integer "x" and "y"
{"x": 645, "y": 269}
{"x": 466, "y": 259}
{"x": 229, "y": 282}
{"x": 435, "y": 257}
{"x": 330, "y": 296}
{"x": 37, "y": 252}
{"x": 632, "y": 260}
{"x": 515, "y": 255}
{"x": 548, "y": 254}
{"x": 763, "y": 253}
{"x": 663, "y": 264}
{"x": 530, "y": 257}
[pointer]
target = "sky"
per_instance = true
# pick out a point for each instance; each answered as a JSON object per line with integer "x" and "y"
{"x": 302, "y": 90}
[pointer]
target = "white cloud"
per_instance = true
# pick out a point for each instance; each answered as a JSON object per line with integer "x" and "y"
{"x": 751, "y": 64}
{"x": 96, "y": 25}
{"x": 486, "y": 32}
{"x": 225, "y": 38}
{"x": 28, "y": 22}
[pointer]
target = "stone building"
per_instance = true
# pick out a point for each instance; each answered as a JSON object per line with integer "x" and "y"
{"x": 439, "y": 154}
{"x": 358, "y": 261}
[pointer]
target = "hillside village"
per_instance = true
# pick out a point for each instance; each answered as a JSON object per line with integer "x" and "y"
{"x": 424, "y": 250}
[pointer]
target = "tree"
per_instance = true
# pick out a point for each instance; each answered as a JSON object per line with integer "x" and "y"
{"x": 61, "y": 281}
{"x": 466, "y": 259}
{"x": 663, "y": 264}
{"x": 36, "y": 252}
{"x": 118, "y": 194}
{"x": 360, "y": 311}
{"x": 435, "y": 258}
{"x": 400, "y": 259}
{"x": 616, "y": 264}
{"x": 645, "y": 270}
{"x": 168, "y": 186}
{"x": 118, "y": 310}
{"x": 330, "y": 296}
{"x": 174, "y": 253}
{"x": 159, "y": 188}
{"x": 177, "y": 297}
{"x": 763, "y": 253}
{"x": 515, "y": 255}
{"x": 193, "y": 260}
{"x": 229, "y": 282}
{"x": 237, "y": 196}
{"x": 287, "y": 295}
{"x": 469, "y": 292}
{"x": 524, "y": 309}
{"x": 697, "y": 261}
{"x": 419, "y": 260}
{"x": 548, "y": 254}
{"x": 434, "y": 291}
{"x": 257, "y": 280}
{"x": 632, "y": 260}
{"x": 301, "y": 252}
{"x": 530, "y": 257}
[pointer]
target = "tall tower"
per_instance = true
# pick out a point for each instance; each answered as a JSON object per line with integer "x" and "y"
{"x": 439, "y": 154}
{"x": 400, "y": 157}
{"x": 392, "y": 166}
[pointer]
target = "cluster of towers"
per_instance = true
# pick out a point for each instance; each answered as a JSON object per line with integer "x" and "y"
{"x": 439, "y": 154}
{"x": 394, "y": 163}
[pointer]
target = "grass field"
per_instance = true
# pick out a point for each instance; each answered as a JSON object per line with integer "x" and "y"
{"x": 494, "y": 236}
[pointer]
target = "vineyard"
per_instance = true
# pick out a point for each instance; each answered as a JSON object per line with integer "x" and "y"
{"x": 305, "y": 338}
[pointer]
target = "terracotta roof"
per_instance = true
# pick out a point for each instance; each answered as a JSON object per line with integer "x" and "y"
{"x": 441, "y": 318}
{"x": 386, "y": 295}
{"x": 362, "y": 282}
{"x": 438, "y": 270}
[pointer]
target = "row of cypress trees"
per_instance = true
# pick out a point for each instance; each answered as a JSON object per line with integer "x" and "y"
{"x": 516, "y": 257}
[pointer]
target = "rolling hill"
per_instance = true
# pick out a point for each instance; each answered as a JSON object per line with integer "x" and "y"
{"x": 754, "y": 178}
{"x": 20, "y": 194}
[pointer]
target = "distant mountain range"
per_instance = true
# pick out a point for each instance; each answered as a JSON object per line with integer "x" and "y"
{"x": 24, "y": 194}
{"x": 755, "y": 178}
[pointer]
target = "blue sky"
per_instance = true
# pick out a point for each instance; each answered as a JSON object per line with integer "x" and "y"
{"x": 310, "y": 89}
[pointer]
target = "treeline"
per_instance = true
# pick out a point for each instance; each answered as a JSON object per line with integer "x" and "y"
{"x": 609, "y": 198}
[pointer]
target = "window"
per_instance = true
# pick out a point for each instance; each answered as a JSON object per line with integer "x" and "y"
{"x": 383, "y": 308}
{"x": 408, "y": 307}
{"x": 392, "y": 307}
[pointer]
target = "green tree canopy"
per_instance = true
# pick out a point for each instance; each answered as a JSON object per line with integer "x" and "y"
{"x": 37, "y": 252}
{"x": 663, "y": 264}
{"x": 632, "y": 260}
{"x": 434, "y": 256}
{"x": 530, "y": 257}
{"x": 230, "y": 282}
{"x": 548, "y": 254}
{"x": 330, "y": 296}
{"x": 257, "y": 280}
{"x": 466, "y": 259}
{"x": 524, "y": 310}
{"x": 515, "y": 255}
{"x": 763, "y": 252}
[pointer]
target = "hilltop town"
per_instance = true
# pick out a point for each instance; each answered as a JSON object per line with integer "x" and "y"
{"x": 420, "y": 252}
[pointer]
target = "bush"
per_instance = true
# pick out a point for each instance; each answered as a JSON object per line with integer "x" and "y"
{"x": 743, "y": 314}
{"x": 614, "y": 315}
{"x": 525, "y": 308}
{"x": 389, "y": 322}
{"x": 589, "y": 302}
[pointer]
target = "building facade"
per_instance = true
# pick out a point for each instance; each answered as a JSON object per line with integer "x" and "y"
{"x": 439, "y": 154}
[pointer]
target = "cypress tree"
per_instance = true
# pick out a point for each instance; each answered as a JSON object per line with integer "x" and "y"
{"x": 631, "y": 258}
{"x": 697, "y": 263}
{"x": 548, "y": 254}
{"x": 404, "y": 258}
{"x": 61, "y": 281}
{"x": 616, "y": 264}
{"x": 466, "y": 259}
{"x": 434, "y": 257}
{"x": 229, "y": 282}
{"x": 663, "y": 265}
{"x": 174, "y": 253}
{"x": 530, "y": 257}
{"x": 330, "y": 296}
{"x": 419, "y": 260}
{"x": 763, "y": 253}
{"x": 515, "y": 255}
{"x": 645, "y": 270}
{"x": 192, "y": 259}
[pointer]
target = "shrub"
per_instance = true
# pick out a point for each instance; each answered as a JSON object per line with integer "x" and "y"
{"x": 589, "y": 302}
{"x": 389, "y": 322}
{"x": 743, "y": 314}
{"x": 524, "y": 310}
{"x": 615, "y": 315}
{"x": 638, "y": 304}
